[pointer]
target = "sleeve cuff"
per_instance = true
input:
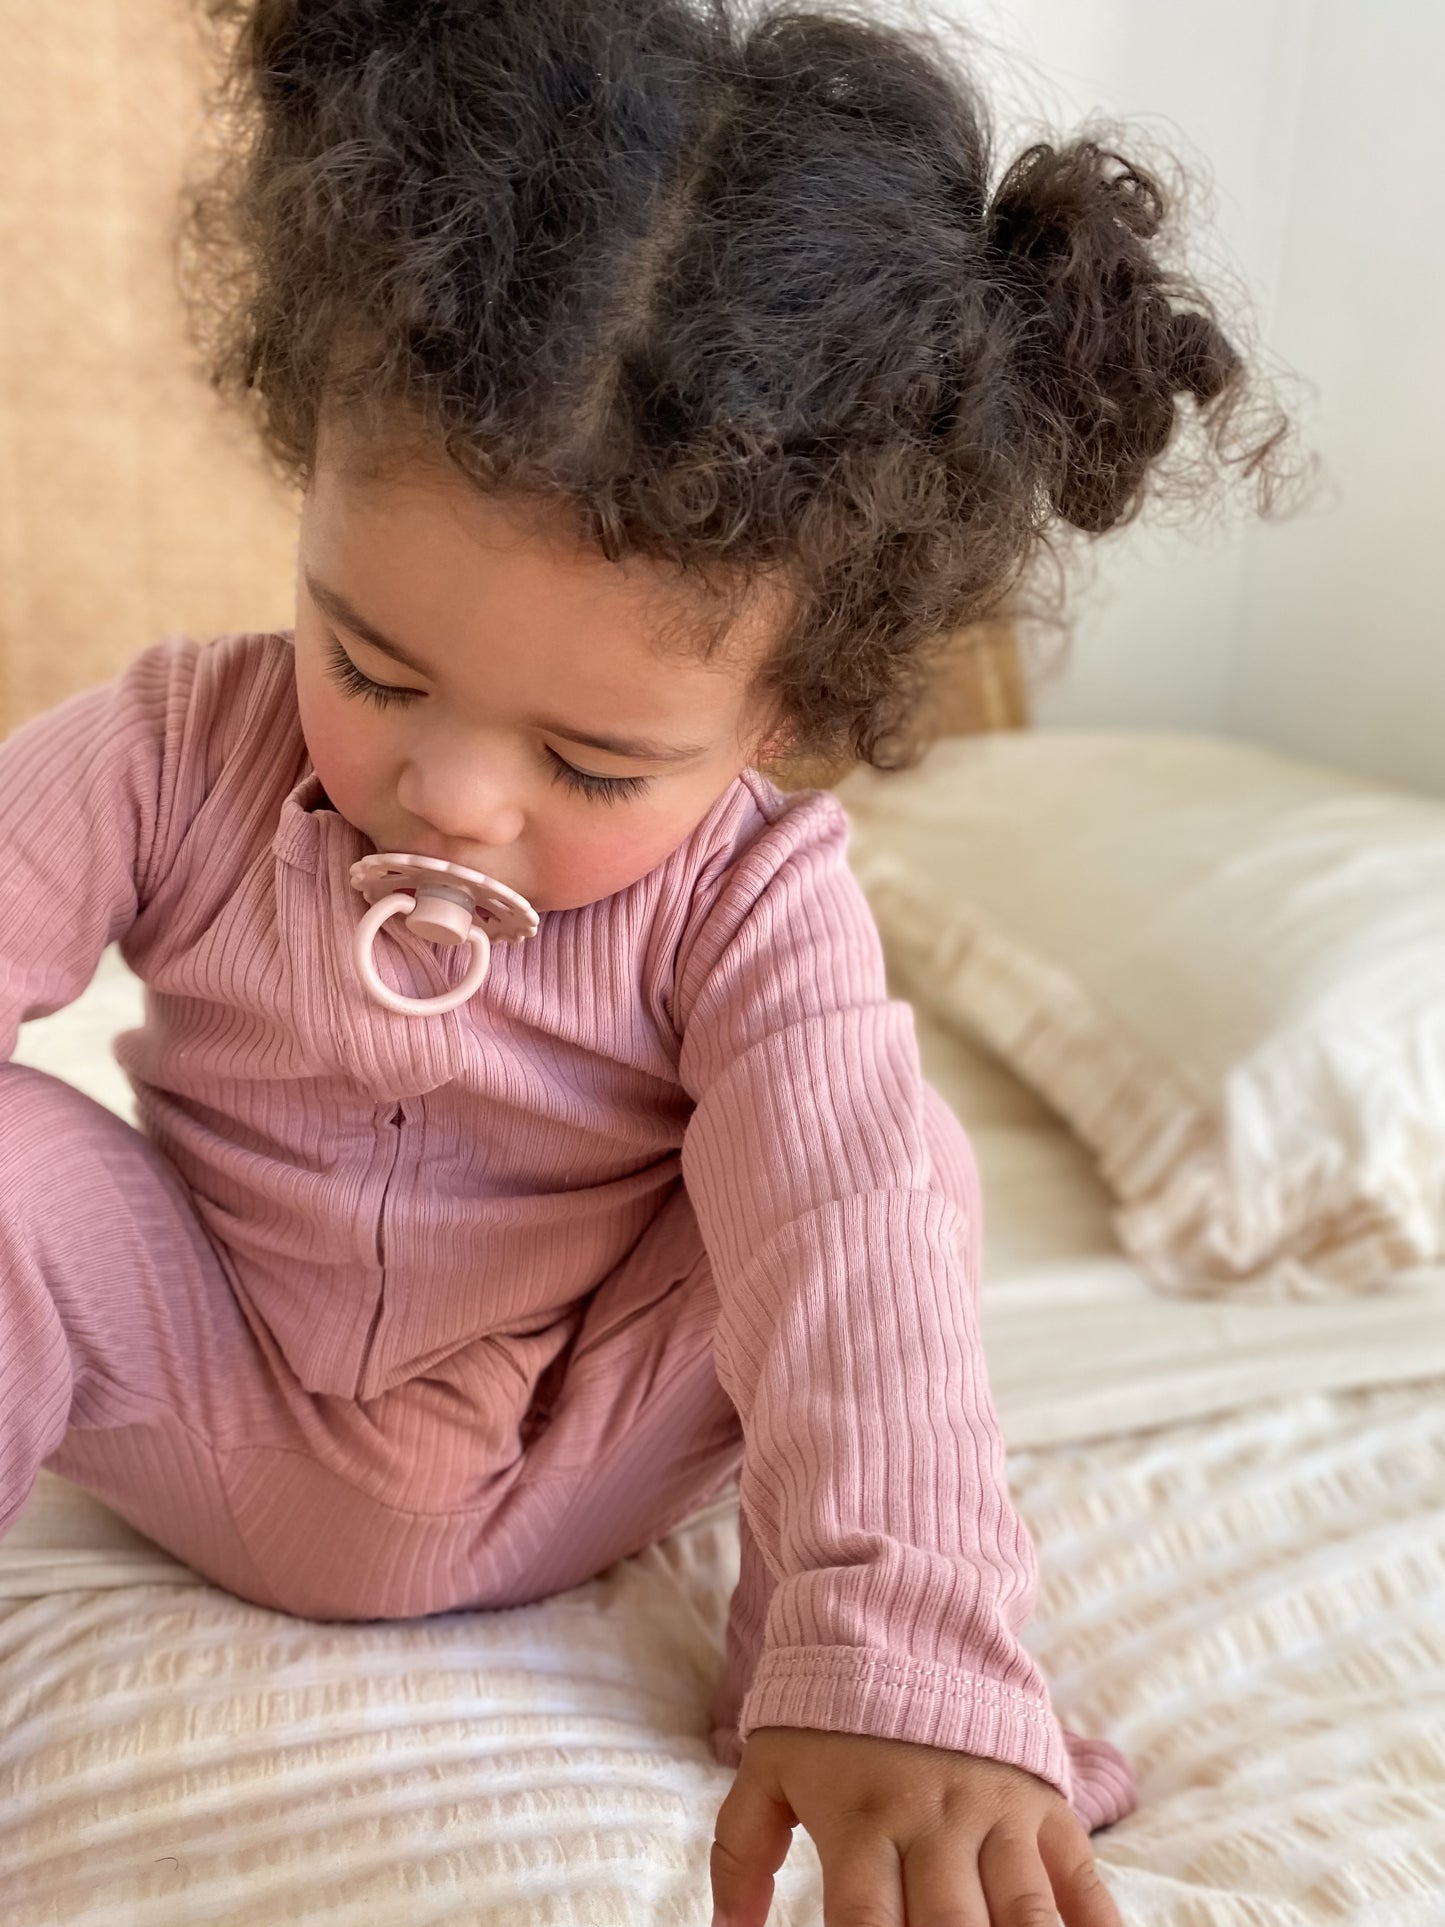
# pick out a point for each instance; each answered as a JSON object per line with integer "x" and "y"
{"x": 858, "y": 1689}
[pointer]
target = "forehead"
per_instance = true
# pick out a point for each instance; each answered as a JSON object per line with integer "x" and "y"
{"x": 416, "y": 533}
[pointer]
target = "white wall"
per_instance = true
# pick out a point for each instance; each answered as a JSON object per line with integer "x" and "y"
{"x": 1314, "y": 133}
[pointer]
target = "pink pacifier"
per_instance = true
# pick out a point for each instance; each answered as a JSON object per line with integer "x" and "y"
{"x": 448, "y": 905}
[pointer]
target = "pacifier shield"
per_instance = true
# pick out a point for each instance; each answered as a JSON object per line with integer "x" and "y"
{"x": 503, "y": 913}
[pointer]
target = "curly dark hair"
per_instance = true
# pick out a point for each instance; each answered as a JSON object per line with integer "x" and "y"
{"x": 732, "y": 288}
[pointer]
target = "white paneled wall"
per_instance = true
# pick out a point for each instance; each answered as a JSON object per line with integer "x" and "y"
{"x": 1315, "y": 132}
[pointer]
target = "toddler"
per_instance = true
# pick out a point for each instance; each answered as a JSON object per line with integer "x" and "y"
{"x": 661, "y": 385}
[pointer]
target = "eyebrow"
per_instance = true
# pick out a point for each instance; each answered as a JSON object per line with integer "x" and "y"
{"x": 646, "y": 748}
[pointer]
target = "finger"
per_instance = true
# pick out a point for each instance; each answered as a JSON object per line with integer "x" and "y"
{"x": 1015, "y": 1880}
{"x": 940, "y": 1878}
{"x": 862, "y": 1879}
{"x": 751, "y": 1837}
{"x": 1083, "y": 1899}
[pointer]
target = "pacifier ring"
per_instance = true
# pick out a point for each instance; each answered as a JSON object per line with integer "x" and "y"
{"x": 445, "y": 904}
{"x": 365, "y": 940}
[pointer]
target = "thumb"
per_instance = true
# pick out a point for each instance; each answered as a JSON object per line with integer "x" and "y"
{"x": 751, "y": 1837}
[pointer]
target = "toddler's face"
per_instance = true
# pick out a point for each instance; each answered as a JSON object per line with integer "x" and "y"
{"x": 520, "y": 645}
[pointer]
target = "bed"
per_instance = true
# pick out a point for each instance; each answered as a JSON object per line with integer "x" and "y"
{"x": 1240, "y": 1516}
{"x": 1239, "y": 1506}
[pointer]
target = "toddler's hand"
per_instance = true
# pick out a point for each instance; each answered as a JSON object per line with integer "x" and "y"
{"x": 905, "y": 1833}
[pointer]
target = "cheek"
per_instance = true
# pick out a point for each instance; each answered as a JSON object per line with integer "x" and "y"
{"x": 339, "y": 737}
{"x": 585, "y": 862}
{"x": 607, "y": 852}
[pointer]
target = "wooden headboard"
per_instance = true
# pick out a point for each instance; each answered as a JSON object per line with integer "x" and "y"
{"x": 130, "y": 506}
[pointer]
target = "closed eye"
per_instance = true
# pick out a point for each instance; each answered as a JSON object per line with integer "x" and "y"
{"x": 344, "y": 671}
{"x": 604, "y": 789}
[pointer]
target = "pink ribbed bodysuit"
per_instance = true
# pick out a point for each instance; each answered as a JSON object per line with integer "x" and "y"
{"x": 382, "y": 1315}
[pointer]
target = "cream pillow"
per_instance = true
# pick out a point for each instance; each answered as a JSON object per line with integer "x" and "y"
{"x": 1224, "y": 968}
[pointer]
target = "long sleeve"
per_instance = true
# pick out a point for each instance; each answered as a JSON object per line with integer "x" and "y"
{"x": 873, "y": 1474}
{"x": 83, "y": 797}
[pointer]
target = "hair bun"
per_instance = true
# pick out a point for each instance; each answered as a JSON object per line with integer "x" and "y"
{"x": 1201, "y": 359}
{"x": 1099, "y": 347}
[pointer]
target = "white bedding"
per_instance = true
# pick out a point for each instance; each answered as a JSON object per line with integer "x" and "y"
{"x": 1240, "y": 1516}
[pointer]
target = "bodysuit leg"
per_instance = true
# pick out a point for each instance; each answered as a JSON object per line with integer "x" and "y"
{"x": 462, "y": 1488}
{"x": 124, "y": 1357}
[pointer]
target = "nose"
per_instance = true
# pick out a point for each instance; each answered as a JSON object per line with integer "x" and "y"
{"x": 465, "y": 799}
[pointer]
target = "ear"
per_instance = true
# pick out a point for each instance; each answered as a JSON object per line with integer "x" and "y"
{"x": 778, "y": 743}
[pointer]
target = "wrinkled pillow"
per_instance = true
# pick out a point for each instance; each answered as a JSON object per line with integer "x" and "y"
{"x": 1224, "y": 968}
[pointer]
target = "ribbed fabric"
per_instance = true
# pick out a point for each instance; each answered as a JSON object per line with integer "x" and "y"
{"x": 393, "y": 1192}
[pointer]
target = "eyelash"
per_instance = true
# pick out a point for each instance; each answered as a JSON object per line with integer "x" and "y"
{"x": 601, "y": 789}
